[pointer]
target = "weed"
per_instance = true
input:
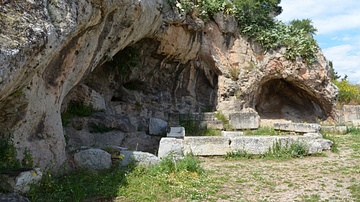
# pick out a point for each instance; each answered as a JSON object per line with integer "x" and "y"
{"x": 220, "y": 116}
{"x": 76, "y": 108}
{"x": 234, "y": 73}
{"x": 267, "y": 130}
{"x": 8, "y": 160}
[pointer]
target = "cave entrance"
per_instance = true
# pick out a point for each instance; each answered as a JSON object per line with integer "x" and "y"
{"x": 280, "y": 99}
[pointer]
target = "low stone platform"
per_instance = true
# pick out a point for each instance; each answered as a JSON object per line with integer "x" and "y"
{"x": 216, "y": 145}
{"x": 231, "y": 133}
{"x": 298, "y": 127}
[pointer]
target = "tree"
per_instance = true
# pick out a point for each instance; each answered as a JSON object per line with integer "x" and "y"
{"x": 305, "y": 25}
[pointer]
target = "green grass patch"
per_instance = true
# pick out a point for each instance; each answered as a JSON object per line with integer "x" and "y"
{"x": 267, "y": 130}
{"x": 183, "y": 179}
{"x": 79, "y": 185}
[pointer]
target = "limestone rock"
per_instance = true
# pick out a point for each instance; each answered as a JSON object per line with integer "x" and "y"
{"x": 171, "y": 147}
{"x": 298, "y": 127}
{"x": 93, "y": 159}
{"x": 21, "y": 182}
{"x": 138, "y": 158}
{"x": 136, "y": 60}
{"x": 157, "y": 126}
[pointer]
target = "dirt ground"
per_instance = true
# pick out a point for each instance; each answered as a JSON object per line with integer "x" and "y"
{"x": 324, "y": 178}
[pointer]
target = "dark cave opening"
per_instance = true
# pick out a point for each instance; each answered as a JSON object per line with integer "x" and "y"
{"x": 280, "y": 99}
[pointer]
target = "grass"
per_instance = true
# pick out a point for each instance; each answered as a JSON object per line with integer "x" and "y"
{"x": 167, "y": 180}
{"x": 220, "y": 116}
{"x": 266, "y": 130}
{"x": 8, "y": 158}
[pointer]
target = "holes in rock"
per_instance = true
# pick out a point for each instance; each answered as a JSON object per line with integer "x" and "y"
{"x": 280, "y": 99}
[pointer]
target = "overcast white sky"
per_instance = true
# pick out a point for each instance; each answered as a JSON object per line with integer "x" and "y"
{"x": 338, "y": 24}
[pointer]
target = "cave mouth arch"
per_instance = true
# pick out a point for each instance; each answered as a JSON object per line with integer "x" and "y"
{"x": 281, "y": 99}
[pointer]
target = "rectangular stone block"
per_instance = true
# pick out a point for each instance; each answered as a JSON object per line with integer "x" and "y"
{"x": 356, "y": 122}
{"x": 178, "y": 132}
{"x": 298, "y": 127}
{"x": 231, "y": 133}
{"x": 171, "y": 146}
{"x": 206, "y": 146}
{"x": 244, "y": 120}
{"x": 252, "y": 144}
{"x": 334, "y": 129}
{"x": 351, "y": 112}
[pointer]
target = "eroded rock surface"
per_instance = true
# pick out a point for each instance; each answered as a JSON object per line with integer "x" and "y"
{"x": 137, "y": 60}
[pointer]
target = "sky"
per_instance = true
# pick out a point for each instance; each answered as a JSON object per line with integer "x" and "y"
{"x": 338, "y": 35}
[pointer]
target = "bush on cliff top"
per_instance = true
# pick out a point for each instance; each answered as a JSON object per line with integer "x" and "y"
{"x": 256, "y": 20}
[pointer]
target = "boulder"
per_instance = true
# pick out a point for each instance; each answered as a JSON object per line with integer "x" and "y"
{"x": 157, "y": 126}
{"x": 93, "y": 159}
{"x": 171, "y": 147}
{"x": 138, "y": 158}
{"x": 20, "y": 182}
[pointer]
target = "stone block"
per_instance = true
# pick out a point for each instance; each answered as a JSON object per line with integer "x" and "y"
{"x": 178, "y": 132}
{"x": 231, "y": 133}
{"x": 351, "y": 112}
{"x": 171, "y": 147}
{"x": 138, "y": 158}
{"x": 252, "y": 144}
{"x": 244, "y": 120}
{"x": 298, "y": 127}
{"x": 93, "y": 159}
{"x": 334, "y": 129}
{"x": 157, "y": 126}
{"x": 206, "y": 145}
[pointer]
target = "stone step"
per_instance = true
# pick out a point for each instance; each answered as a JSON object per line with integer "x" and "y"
{"x": 298, "y": 127}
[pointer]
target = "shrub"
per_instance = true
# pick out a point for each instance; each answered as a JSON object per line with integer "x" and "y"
{"x": 220, "y": 116}
{"x": 348, "y": 93}
{"x": 8, "y": 160}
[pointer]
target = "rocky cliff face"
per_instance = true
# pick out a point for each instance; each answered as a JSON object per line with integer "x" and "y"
{"x": 137, "y": 60}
